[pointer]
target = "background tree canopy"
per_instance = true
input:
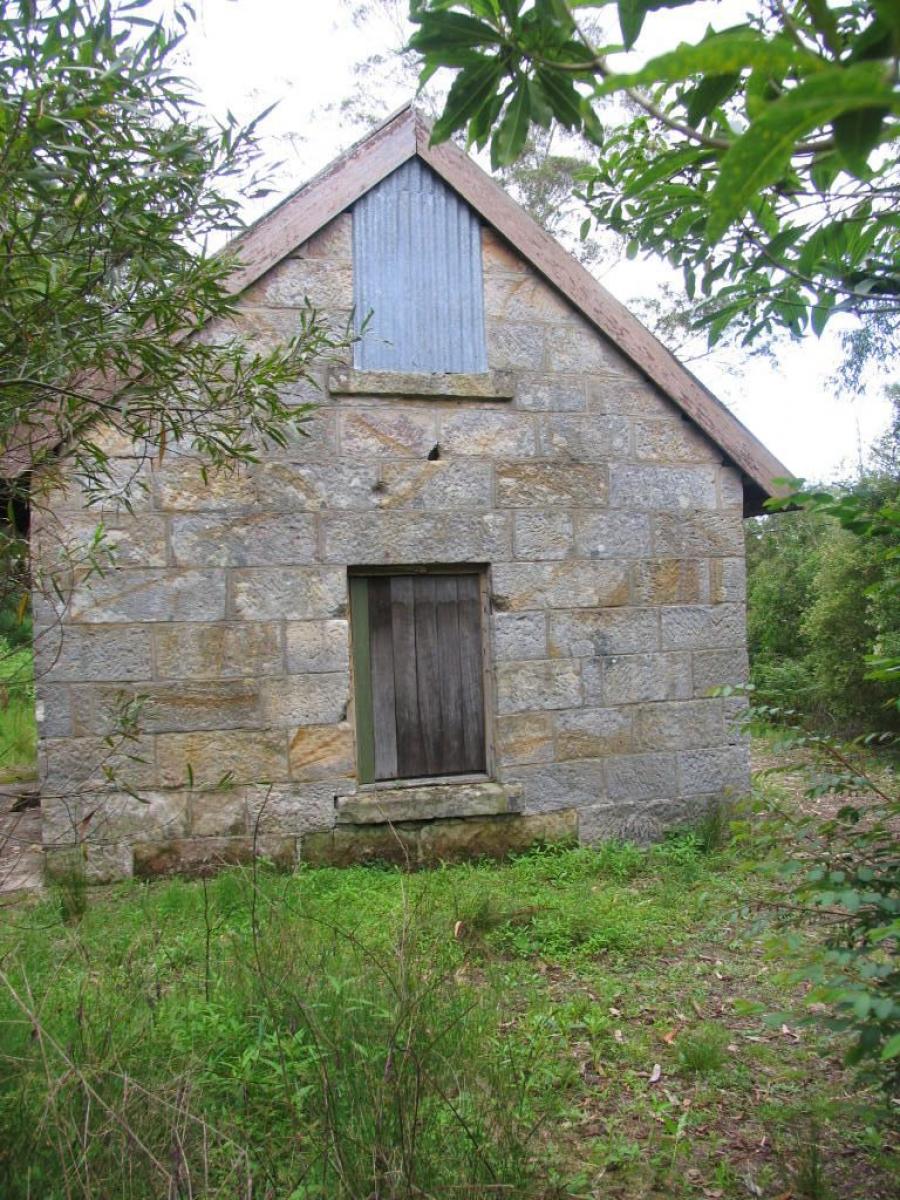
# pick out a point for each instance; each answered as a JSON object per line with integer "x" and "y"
{"x": 761, "y": 160}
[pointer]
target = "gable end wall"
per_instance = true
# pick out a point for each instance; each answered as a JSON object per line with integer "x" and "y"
{"x": 614, "y": 539}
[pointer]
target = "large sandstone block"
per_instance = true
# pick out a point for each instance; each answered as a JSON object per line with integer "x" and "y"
{"x": 679, "y": 725}
{"x": 313, "y": 646}
{"x": 237, "y": 649}
{"x": 551, "y": 393}
{"x": 671, "y": 581}
{"x": 524, "y": 738}
{"x": 703, "y": 627}
{"x": 96, "y": 863}
{"x": 572, "y": 583}
{"x": 204, "y": 856}
{"x": 69, "y": 766}
{"x": 237, "y": 756}
{"x": 728, "y": 580}
{"x": 519, "y": 636}
{"x": 719, "y": 668}
{"x": 697, "y": 535}
{"x": 315, "y": 699}
{"x": 584, "y": 438}
{"x": 530, "y": 686}
{"x": 576, "y": 784}
{"x": 220, "y": 812}
{"x": 617, "y": 389}
{"x": 429, "y": 803}
{"x": 333, "y": 241}
{"x": 637, "y": 678}
{"x": 543, "y": 535}
{"x": 445, "y": 484}
{"x": 662, "y": 489}
{"x": 319, "y": 752}
{"x": 79, "y": 653}
{"x": 495, "y": 837}
{"x": 324, "y": 283}
{"x": 125, "y": 540}
{"x": 387, "y": 433}
{"x": 577, "y": 346}
{"x": 518, "y": 297}
{"x": 53, "y": 708}
{"x": 672, "y": 441}
{"x": 642, "y": 777}
{"x": 314, "y": 486}
{"x": 593, "y": 733}
{"x": 612, "y": 534}
{"x": 109, "y": 816}
{"x": 488, "y": 433}
{"x": 175, "y": 706}
{"x": 130, "y": 594}
{"x": 416, "y": 537}
{"x": 251, "y": 540}
{"x": 179, "y": 486}
{"x": 586, "y": 633}
{"x": 550, "y": 484}
{"x": 290, "y": 593}
{"x": 292, "y": 808}
{"x": 515, "y": 345}
{"x": 723, "y": 770}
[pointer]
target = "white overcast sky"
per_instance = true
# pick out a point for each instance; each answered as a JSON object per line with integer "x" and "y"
{"x": 244, "y": 55}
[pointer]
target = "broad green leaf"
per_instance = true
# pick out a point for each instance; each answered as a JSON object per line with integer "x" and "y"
{"x": 471, "y": 89}
{"x": 631, "y": 20}
{"x": 446, "y": 30}
{"x": 708, "y": 95}
{"x": 512, "y": 131}
{"x": 761, "y": 155}
{"x": 856, "y": 135}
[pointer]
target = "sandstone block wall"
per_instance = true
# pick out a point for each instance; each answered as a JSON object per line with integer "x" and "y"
{"x": 609, "y": 528}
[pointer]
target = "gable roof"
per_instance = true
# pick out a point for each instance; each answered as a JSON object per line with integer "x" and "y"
{"x": 407, "y": 134}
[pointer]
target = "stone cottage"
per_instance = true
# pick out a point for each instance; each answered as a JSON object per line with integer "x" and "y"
{"x": 484, "y": 602}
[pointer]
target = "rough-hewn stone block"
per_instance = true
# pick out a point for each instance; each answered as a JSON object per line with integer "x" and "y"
{"x": 234, "y": 650}
{"x": 551, "y": 393}
{"x": 519, "y": 635}
{"x": 720, "y": 770}
{"x": 703, "y": 627}
{"x": 312, "y": 486}
{"x": 584, "y": 438}
{"x": 218, "y": 813}
{"x": 550, "y": 484}
{"x": 671, "y": 581}
{"x": 53, "y": 708}
{"x": 524, "y": 738}
{"x": 636, "y": 678}
{"x": 333, "y": 241}
{"x": 679, "y": 725}
{"x": 530, "y": 686}
{"x": 71, "y": 765}
{"x": 728, "y": 580}
{"x": 572, "y": 583}
{"x": 324, "y": 283}
{"x": 695, "y": 535}
{"x": 137, "y": 594}
{"x": 578, "y": 783}
{"x": 487, "y": 433}
{"x": 542, "y": 535}
{"x": 351, "y": 845}
{"x": 719, "y": 668}
{"x": 576, "y": 346}
{"x": 250, "y": 540}
{"x": 449, "y": 485}
{"x": 515, "y": 345}
{"x": 642, "y": 777}
{"x": 612, "y": 534}
{"x": 319, "y": 752}
{"x": 206, "y": 855}
{"x": 672, "y": 441}
{"x": 589, "y": 632}
{"x": 176, "y": 706}
{"x": 313, "y": 646}
{"x": 179, "y": 485}
{"x": 427, "y": 803}
{"x": 97, "y": 863}
{"x": 414, "y": 385}
{"x": 416, "y": 537}
{"x": 615, "y": 389}
{"x": 662, "y": 489}
{"x": 315, "y": 699}
{"x": 291, "y": 593}
{"x": 292, "y": 808}
{"x": 593, "y": 733}
{"x": 137, "y": 540}
{"x": 495, "y": 837}
{"x": 498, "y": 255}
{"x": 387, "y": 433}
{"x": 517, "y": 297}
{"x": 238, "y": 755}
{"x": 731, "y": 490}
{"x": 78, "y": 654}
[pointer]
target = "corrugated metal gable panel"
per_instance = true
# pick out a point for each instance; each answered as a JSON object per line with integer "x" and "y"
{"x": 417, "y": 270}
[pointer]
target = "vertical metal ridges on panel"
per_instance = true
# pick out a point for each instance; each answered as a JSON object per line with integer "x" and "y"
{"x": 417, "y": 270}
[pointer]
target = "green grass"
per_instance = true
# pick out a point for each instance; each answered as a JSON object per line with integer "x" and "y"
{"x": 18, "y": 731}
{"x": 570, "y": 1024}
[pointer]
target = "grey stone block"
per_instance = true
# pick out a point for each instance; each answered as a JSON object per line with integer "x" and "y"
{"x": 446, "y": 484}
{"x": 69, "y": 766}
{"x": 316, "y": 699}
{"x": 728, "y": 580}
{"x": 577, "y": 346}
{"x": 174, "y": 706}
{"x": 313, "y": 646}
{"x": 550, "y": 484}
{"x": 594, "y": 733}
{"x": 53, "y": 709}
{"x": 292, "y": 808}
{"x": 642, "y": 777}
{"x": 587, "y": 633}
{"x": 703, "y": 627}
{"x": 488, "y": 433}
{"x": 637, "y": 678}
{"x": 427, "y": 803}
{"x": 515, "y": 345}
{"x": 416, "y": 537}
{"x": 291, "y": 593}
{"x": 584, "y": 438}
{"x": 238, "y": 649}
{"x": 132, "y": 594}
{"x": 387, "y": 433}
{"x": 612, "y": 534}
{"x": 530, "y": 686}
{"x": 696, "y": 535}
{"x": 719, "y": 668}
{"x": 573, "y": 583}
{"x": 551, "y": 394}
{"x": 673, "y": 441}
{"x": 679, "y": 725}
{"x": 519, "y": 636}
{"x": 314, "y": 486}
{"x": 662, "y": 489}
{"x": 73, "y": 653}
{"x": 324, "y": 283}
{"x": 252, "y": 540}
{"x": 577, "y": 784}
{"x": 543, "y": 535}
{"x": 524, "y": 738}
{"x": 237, "y": 756}
{"x": 724, "y": 770}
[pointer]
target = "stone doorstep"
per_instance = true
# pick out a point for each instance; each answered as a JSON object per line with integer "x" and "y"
{"x": 427, "y": 803}
{"x": 416, "y": 844}
{"x": 491, "y": 385}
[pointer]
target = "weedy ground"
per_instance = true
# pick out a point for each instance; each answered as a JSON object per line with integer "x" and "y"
{"x": 578, "y": 1023}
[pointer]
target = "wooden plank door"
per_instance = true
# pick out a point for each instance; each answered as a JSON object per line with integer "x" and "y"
{"x": 427, "y": 692}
